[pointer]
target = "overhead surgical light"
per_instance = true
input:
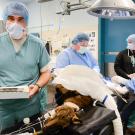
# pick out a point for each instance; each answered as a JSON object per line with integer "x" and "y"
{"x": 113, "y": 9}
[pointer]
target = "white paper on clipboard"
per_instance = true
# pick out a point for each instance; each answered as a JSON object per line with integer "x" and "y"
{"x": 17, "y": 92}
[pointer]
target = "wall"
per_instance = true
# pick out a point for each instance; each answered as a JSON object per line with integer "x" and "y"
{"x": 2, "y": 5}
{"x": 49, "y": 17}
{"x": 113, "y": 35}
{"x": 57, "y": 28}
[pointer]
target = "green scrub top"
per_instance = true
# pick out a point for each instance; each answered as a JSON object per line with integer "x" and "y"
{"x": 20, "y": 68}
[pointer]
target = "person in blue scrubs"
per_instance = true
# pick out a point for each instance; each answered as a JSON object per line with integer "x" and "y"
{"x": 23, "y": 61}
{"x": 77, "y": 54}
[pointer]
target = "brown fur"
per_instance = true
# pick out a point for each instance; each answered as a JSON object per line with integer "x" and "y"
{"x": 66, "y": 115}
{"x": 80, "y": 100}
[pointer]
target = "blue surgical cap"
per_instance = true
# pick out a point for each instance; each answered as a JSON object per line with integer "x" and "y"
{"x": 79, "y": 38}
{"x": 16, "y": 8}
{"x": 131, "y": 38}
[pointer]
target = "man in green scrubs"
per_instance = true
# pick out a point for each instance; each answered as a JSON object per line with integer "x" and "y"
{"x": 23, "y": 61}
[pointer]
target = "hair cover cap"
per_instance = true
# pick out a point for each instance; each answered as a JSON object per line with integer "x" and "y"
{"x": 79, "y": 38}
{"x": 131, "y": 38}
{"x": 16, "y": 8}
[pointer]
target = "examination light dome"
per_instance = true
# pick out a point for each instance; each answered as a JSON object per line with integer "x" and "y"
{"x": 115, "y": 9}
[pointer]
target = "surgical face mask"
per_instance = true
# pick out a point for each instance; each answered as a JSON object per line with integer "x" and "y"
{"x": 131, "y": 46}
{"x": 82, "y": 50}
{"x": 16, "y": 31}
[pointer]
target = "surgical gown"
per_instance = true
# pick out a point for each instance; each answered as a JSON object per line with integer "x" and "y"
{"x": 71, "y": 57}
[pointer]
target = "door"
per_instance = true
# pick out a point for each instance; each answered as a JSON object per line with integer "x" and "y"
{"x": 112, "y": 39}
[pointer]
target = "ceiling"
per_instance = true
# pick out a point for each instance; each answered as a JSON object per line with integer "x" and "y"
{"x": 24, "y": 1}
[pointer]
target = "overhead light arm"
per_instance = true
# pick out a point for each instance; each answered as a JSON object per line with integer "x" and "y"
{"x": 69, "y": 7}
{"x": 67, "y": 12}
{"x": 72, "y": 7}
{"x": 112, "y": 9}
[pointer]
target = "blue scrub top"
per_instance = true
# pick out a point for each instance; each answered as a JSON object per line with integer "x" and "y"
{"x": 21, "y": 68}
{"x": 70, "y": 57}
{"x": 130, "y": 84}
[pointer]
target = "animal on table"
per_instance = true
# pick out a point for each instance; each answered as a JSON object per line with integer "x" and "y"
{"x": 66, "y": 113}
{"x": 87, "y": 82}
